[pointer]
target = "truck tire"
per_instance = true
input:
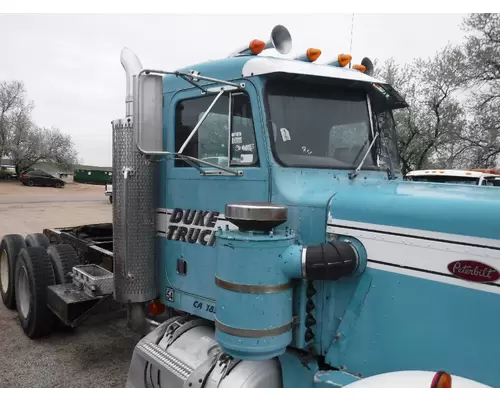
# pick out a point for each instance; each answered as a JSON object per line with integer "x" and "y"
{"x": 9, "y": 250}
{"x": 37, "y": 239}
{"x": 34, "y": 274}
{"x": 63, "y": 258}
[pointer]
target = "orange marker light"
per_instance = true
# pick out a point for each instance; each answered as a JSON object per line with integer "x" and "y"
{"x": 344, "y": 59}
{"x": 313, "y": 54}
{"x": 442, "y": 380}
{"x": 156, "y": 308}
{"x": 256, "y": 46}
{"x": 359, "y": 67}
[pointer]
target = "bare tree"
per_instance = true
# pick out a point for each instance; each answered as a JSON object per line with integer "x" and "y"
{"x": 429, "y": 129}
{"x": 43, "y": 144}
{"x": 12, "y": 100}
{"x": 482, "y": 49}
{"x": 22, "y": 140}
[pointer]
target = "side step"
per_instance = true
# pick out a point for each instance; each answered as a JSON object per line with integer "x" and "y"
{"x": 162, "y": 360}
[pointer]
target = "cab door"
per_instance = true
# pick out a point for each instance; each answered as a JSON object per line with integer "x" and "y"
{"x": 195, "y": 196}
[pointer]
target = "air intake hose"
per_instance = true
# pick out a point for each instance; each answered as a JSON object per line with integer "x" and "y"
{"x": 329, "y": 261}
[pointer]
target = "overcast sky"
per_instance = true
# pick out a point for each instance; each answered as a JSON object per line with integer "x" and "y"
{"x": 71, "y": 63}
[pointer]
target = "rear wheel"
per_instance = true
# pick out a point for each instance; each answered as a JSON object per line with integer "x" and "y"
{"x": 63, "y": 258}
{"x": 31, "y": 183}
{"x": 9, "y": 250}
{"x": 58, "y": 185}
{"x": 34, "y": 274}
{"x": 37, "y": 239}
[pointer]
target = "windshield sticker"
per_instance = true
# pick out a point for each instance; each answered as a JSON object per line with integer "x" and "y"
{"x": 285, "y": 135}
{"x": 248, "y": 147}
{"x": 236, "y": 138}
{"x": 247, "y": 158}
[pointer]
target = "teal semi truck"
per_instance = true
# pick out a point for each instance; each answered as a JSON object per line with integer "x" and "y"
{"x": 297, "y": 257}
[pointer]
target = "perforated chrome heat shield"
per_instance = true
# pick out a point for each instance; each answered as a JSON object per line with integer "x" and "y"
{"x": 133, "y": 219}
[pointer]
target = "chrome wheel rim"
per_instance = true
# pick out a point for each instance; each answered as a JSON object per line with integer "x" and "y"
{"x": 23, "y": 290}
{"x": 4, "y": 271}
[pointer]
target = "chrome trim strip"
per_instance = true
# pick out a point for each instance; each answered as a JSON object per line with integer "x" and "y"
{"x": 303, "y": 261}
{"x": 253, "y": 333}
{"x": 253, "y": 289}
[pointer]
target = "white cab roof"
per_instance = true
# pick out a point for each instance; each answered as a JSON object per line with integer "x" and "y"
{"x": 268, "y": 65}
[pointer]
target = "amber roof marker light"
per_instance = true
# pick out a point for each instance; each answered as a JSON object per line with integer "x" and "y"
{"x": 359, "y": 67}
{"x": 256, "y": 46}
{"x": 311, "y": 55}
{"x": 342, "y": 60}
{"x": 365, "y": 67}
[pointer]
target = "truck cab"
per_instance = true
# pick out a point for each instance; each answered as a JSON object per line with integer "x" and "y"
{"x": 294, "y": 131}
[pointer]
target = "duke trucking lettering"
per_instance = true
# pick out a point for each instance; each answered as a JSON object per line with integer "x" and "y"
{"x": 277, "y": 231}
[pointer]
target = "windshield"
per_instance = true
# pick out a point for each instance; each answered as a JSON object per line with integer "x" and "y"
{"x": 322, "y": 126}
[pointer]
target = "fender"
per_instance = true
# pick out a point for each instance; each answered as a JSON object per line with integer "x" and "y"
{"x": 411, "y": 379}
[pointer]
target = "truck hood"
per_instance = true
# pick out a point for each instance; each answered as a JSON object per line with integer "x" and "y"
{"x": 452, "y": 209}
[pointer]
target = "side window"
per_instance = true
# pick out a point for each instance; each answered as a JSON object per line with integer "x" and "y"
{"x": 243, "y": 148}
{"x": 490, "y": 182}
{"x": 212, "y": 142}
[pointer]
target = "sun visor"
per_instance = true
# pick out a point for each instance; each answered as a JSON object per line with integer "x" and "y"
{"x": 384, "y": 97}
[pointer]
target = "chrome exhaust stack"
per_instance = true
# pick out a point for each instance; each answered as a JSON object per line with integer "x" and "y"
{"x": 132, "y": 66}
{"x": 134, "y": 225}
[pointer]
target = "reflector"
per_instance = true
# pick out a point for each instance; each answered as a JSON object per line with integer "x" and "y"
{"x": 156, "y": 308}
{"x": 442, "y": 380}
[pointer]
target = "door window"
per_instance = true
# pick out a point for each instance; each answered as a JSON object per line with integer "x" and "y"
{"x": 212, "y": 141}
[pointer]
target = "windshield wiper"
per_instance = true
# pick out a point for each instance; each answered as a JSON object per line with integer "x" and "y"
{"x": 196, "y": 162}
{"x": 354, "y": 174}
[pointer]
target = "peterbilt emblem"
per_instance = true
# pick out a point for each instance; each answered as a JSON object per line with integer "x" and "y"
{"x": 473, "y": 271}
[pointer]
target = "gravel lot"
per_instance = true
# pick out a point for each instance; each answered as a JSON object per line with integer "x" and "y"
{"x": 93, "y": 355}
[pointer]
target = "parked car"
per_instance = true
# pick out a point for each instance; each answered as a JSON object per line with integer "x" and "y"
{"x": 108, "y": 191}
{"x": 40, "y": 178}
{"x": 7, "y": 172}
